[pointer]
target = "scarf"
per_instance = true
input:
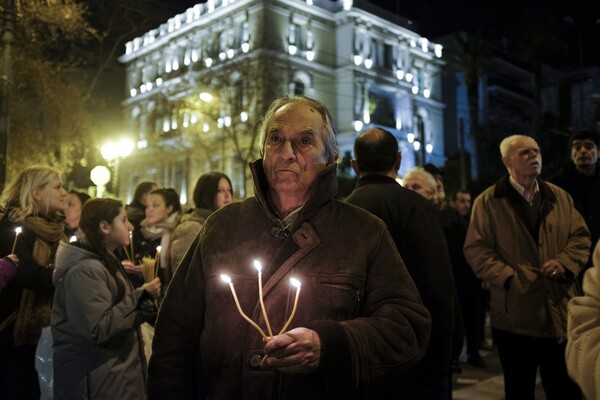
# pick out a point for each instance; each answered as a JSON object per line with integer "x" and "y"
{"x": 36, "y": 307}
{"x": 164, "y": 231}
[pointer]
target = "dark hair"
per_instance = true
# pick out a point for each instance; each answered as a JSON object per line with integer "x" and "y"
{"x": 83, "y": 197}
{"x": 140, "y": 190}
{"x": 585, "y": 134}
{"x": 206, "y": 189}
{"x": 93, "y": 213}
{"x": 457, "y": 191}
{"x": 170, "y": 196}
{"x": 375, "y": 152}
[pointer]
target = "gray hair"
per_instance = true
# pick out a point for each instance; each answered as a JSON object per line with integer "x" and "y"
{"x": 328, "y": 132}
{"x": 428, "y": 179}
{"x": 507, "y": 142}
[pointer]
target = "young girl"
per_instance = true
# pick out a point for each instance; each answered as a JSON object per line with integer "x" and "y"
{"x": 96, "y": 313}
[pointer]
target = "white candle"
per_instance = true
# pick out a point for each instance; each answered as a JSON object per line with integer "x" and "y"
{"x": 258, "y": 267}
{"x": 157, "y": 258}
{"x": 18, "y": 230}
{"x": 227, "y": 280}
{"x": 131, "y": 246}
{"x": 294, "y": 282}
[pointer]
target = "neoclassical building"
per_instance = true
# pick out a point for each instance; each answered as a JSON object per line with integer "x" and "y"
{"x": 198, "y": 84}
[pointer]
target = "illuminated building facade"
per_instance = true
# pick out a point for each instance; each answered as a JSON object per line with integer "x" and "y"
{"x": 197, "y": 84}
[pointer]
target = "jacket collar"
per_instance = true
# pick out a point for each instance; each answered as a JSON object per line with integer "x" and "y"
{"x": 322, "y": 191}
{"x": 375, "y": 178}
{"x": 503, "y": 189}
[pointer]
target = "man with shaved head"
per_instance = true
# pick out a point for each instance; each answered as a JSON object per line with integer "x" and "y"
{"x": 527, "y": 240}
{"x": 419, "y": 238}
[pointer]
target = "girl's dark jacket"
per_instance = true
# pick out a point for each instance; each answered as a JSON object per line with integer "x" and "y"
{"x": 356, "y": 294}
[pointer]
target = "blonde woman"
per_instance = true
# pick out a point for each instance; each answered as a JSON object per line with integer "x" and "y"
{"x": 35, "y": 202}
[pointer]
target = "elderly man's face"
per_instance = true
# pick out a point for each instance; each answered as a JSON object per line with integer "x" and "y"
{"x": 524, "y": 159}
{"x": 584, "y": 153}
{"x": 294, "y": 150}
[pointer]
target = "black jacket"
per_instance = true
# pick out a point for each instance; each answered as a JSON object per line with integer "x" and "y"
{"x": 417, "y": 232}
{"x": 585, "y": 191}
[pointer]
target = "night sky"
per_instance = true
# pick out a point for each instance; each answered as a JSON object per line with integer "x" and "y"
{"x": 515, "y": 21}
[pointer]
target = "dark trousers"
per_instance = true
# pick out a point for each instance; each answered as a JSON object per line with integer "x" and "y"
{"x": 18, "y": 377}
{"x": 521, "y": 356}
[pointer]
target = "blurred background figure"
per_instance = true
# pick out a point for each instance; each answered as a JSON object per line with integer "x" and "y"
{"x": 583, "y": 330}
{"x": 213, "y": 190}
{"x": 439, "y": 198}
{"x": 8, "y": 269}
{"x": 75, "y": 202}
{"x": 34, "y": 201}
{"x": 136, "y": 210}
{"x": 96, "y": 312}
{"x": 420, "y": 181}
{"x": 163, "y": 212}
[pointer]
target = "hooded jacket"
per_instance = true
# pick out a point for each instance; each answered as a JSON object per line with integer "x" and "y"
{"x": 356, "y": 294}
{"x": 95, "y": 320}
{"x": 499, "y": 245}
{"x": 185, "y": 233}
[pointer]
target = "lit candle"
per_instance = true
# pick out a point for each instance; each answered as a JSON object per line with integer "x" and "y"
{"x": 295, "y": 282}
{"x": 18, "y": 230}
{"x": 72, "y": 239}
{"x": 227, "y": 280}
{"x": 258, "y": 267}
{"x": 157, "y": 258}
{"x": 131, "y": 246}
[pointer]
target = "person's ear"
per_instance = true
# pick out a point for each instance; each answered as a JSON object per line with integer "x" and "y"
{"x": 332, "y": 159}
{"x": 35, "y": 193}
{"x": 354, "y": 165}
{"x": 398, "y": 161}
{"x": 169, "y": 210}
{"x": 104, "y": 227}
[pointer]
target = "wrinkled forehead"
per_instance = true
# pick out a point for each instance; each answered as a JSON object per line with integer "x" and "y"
{"x": 299, "y": 114}
{"x": 523, "y": 143}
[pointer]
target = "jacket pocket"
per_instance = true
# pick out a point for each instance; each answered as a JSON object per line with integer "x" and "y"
{"x": 344, "y": 299}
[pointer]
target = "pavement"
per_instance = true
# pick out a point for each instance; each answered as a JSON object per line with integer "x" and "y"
{"x": 475, "y": 383}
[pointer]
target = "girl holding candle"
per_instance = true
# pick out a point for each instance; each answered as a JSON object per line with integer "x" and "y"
{"x": 213, "y": 190}
{"x": 96, "y": 313}
{"x": 34, "y": 201}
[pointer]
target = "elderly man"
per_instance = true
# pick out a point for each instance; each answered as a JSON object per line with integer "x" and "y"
{"x": 529, "y": 242}
{"x": 359, "y": 318}
{"x": 415, "y": 227}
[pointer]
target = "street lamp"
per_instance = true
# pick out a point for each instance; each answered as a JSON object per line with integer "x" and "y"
{"x": 100, "y": 175}
{"x": 113, "y": 153}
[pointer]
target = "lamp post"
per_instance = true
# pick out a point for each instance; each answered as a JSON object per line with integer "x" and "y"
{"x": 113, "y": 153}
{"x": 100, "y": 175}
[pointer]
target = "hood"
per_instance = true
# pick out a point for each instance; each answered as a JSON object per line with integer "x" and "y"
{"x": 67, "y": 256}
{"x": 323, "y": 190}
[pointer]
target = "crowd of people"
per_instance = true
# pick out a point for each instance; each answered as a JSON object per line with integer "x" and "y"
{"x": 392, "y": 283}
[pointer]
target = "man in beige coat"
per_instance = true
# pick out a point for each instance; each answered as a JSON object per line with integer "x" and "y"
{"x": 529, "y": 243}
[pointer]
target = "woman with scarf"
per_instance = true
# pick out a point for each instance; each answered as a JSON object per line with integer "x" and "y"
{"x": 163, "y": 211}
{"x": 35, "y": 202}
{"x": 213, "y": 190}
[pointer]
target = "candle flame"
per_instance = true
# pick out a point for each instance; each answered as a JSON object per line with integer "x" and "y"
{"x": 72, "y": 239}
{"x": 295, "y": 282}
{"x": 130, "y": 234}
{"x": 225, "y": 278}
{"x": 158, "y": 248}
{"x": 18, "y": 229}
{"x": 258, "y": 265}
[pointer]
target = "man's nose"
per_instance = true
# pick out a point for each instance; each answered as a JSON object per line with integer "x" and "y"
{"x": 287, "y": 151}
